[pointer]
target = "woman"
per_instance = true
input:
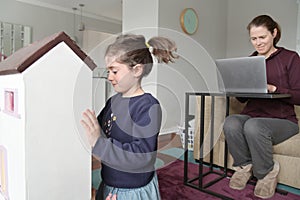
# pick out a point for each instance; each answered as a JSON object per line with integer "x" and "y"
{"x": 264, "y": 122}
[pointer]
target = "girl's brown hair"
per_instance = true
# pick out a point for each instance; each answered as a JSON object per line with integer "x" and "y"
{"x": 133, "y": 49}
{"x": 269, "y": 23}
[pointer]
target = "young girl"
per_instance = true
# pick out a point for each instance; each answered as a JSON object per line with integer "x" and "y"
{"x": 124, "y": 135}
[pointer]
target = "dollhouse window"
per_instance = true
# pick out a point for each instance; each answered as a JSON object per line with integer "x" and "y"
{"x": 11, "y": 102}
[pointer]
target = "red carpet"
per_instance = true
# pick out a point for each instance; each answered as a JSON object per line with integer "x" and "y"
{"x": 171, "y": 186}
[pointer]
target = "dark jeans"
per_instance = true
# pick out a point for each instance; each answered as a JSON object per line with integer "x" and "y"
{"x": 251, "y": 140}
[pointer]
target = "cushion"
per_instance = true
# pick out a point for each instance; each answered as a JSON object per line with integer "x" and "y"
{"x": 290, "y": 147}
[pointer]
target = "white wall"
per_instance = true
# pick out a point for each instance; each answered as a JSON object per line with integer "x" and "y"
{"x": 195, "y": 70}
{"x": 212, "y": 21}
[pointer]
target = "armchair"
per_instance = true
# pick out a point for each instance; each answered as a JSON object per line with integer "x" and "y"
{"x": 286, "y": 153}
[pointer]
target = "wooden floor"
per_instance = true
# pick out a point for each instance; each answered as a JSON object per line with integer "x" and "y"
{"x": 168, "y": 141}
{"x": 165, "y": 141}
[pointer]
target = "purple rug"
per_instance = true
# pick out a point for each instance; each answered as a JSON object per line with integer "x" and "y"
{"x": 171, "y": 185}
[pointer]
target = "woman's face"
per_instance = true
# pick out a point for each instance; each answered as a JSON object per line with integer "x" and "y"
{"x": 262, "y": 40}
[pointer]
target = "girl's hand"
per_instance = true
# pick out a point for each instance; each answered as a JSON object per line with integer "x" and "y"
{"x": 272, "y": 88}
{"x": 111, "y": 197}
{"x": 91, "y": 126}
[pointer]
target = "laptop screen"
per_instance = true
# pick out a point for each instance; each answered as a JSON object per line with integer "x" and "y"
{"x": 242, "y": 75}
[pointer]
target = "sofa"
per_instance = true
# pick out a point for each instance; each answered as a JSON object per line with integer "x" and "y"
{"x": 286, "y": 153}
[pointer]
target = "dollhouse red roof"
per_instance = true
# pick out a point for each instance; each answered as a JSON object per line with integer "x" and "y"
{"x": 26, "y": 56}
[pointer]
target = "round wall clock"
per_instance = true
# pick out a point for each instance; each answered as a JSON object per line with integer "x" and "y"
{"x": 189, "y": 21}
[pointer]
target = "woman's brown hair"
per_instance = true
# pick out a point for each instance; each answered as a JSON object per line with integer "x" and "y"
{"x": 269, "y": 23}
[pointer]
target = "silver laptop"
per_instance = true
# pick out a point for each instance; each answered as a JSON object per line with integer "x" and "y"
{"x": 242, "y": 75}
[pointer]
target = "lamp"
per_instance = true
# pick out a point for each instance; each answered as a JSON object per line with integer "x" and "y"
{"x": 81, "y": 24}
{"x": 74, "y": 24}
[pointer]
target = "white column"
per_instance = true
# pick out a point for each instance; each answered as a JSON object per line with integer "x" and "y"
{"x": 141, "y": 17}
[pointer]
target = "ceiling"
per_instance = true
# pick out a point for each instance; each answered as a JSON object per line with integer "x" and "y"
{"x": 110, "y": 10}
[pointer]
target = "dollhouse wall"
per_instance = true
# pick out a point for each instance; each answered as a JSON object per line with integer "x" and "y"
{"x": 12, "y": 137}
{"x": 58, "y": 159}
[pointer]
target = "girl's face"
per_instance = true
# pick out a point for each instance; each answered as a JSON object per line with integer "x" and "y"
{"x": 123, "y": 79}
{"x": 262, "y": 40}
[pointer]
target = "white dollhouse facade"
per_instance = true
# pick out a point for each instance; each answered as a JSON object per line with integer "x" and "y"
{"x": 44, "y": 88}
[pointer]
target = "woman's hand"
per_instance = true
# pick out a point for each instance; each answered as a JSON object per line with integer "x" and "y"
{"x": 272, "y": 88}
{"x": 91, "y": 126}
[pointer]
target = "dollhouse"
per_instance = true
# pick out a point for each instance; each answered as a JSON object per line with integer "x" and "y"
{"x": 44, "y": 154}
